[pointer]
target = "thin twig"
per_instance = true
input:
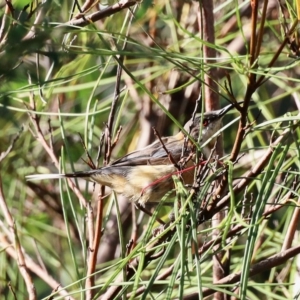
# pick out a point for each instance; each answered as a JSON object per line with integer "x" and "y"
{"x": 40, "y": 137}
{"x": 233, "y": 232}
{"x": 170, "y": 157}
{"x": 87, "y": 5}
{"x": 253, "y": 173}
{"x": 4, "y": 19}
{"x": 20, "y": 258}
{"x": 33, "y": 267}
{"x": 293, "y": 225}
{"x": 212, "y": 102}
{"x": 262, "y": 78}
{"x": 10, "y": 147}
{"x": 99, "y": 15}
{"x": 262, "y": 266}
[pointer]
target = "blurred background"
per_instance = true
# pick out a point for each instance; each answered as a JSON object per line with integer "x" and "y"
{"x": 60, "y": 86}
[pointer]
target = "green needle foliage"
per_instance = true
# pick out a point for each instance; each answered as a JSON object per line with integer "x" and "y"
{"x": 83, "y": 84}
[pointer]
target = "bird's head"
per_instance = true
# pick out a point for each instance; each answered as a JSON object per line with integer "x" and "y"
{"x": 211, "y": 122}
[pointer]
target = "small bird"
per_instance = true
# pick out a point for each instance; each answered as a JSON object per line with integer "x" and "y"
{"x": 145, "y": 175}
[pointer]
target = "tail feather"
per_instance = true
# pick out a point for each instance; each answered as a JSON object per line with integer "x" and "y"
{"x": 45, "y": 176}
{"x": 59, "y": 176}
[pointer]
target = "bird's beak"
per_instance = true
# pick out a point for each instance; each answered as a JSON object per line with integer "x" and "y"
{"x": 222, "y": 112}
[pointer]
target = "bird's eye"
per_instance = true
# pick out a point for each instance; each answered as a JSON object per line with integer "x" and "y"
{"x": 205, "y": 122}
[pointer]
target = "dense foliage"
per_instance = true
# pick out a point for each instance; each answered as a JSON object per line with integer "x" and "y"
{"x": 97, "y": 82}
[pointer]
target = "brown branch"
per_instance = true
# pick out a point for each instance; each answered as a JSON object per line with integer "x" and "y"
{"x": 261, "y": 79}
{"x": 253, "y": 43}
{"x": 212, "y": 102}
{"x": 106, "y": 12}
{"x": 4, "y": 19}
{"x": 33, "y": 267}
{"x": 19, "y": 254}
{"x": 49, "y": 149}
{"x": 41, "y": 138}
{"x": 10, "y": 147}
{"x": 261, "y": 28}
{"x": 113, "y": 290}
{"x": 262, "y": 266}
{"x": 87, "y": 5}
{"x": 248, "y": 177}
{"x": 39, "y": 18}
{"x": 234, "y": 232}
{"x": 170, "y": 157}
{"x": 294, "y": 222}
{"x": 249, "y": 92}
{"x": 108, "y": 145}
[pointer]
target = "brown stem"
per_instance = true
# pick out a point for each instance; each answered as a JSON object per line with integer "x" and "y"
{"x": 106, "y": 12}
{"x": 19, "y": 254}
{"x": 262, "y": 266}
{"x": 248, "y": 177}
{"x": 220, "y": 266}
{"x": 34, "y": 268}
{"x": 235, "y": 231}
{"x": 108, "y": 144}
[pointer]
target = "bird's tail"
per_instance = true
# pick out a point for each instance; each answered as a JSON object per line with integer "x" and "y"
{"x": 59, "y": 176}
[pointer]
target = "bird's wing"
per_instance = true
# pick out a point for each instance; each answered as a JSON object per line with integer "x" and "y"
{"x": 154, "y": 154}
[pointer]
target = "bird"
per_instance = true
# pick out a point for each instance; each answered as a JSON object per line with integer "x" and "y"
{"x": 144, "y": 176}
